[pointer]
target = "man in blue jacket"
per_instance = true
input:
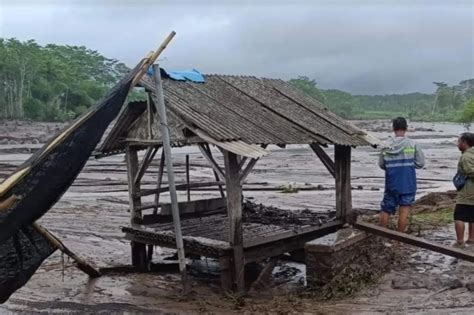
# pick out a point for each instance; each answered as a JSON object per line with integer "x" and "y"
{"x": 399, "y": 161}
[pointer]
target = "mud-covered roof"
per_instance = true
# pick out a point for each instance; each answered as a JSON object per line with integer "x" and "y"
{"x": 234, "y": 108}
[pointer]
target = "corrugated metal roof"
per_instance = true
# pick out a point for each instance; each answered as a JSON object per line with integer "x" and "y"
{"x": 242, "y": 109}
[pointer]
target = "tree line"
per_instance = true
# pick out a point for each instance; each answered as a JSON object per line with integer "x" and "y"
{"x": 449, "y": 103}
{"x": 60, "y": 82}
{"x": 52, "y": 82}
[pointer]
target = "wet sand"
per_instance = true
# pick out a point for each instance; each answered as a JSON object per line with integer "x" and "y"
{"x": 89, "y": 216}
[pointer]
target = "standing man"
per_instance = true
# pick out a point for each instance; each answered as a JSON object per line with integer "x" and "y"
{"x": 399, "y": 161}
{"x": 464, "y": 210}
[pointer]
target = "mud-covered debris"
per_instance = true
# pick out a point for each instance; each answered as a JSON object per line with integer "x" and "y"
{"x": 258, "y": 213}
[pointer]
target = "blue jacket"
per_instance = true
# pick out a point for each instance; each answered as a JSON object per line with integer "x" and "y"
{"x": 399, "y": 161}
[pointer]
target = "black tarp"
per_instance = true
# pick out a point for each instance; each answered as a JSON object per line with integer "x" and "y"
{"x": 20, "y": 256}
{"x": 50, "y": 173}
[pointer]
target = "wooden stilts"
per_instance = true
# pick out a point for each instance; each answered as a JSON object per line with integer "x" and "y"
{"x": 56, "y": 243}
{"x": 234, "y": 208}
{"x": 343, "y": 182}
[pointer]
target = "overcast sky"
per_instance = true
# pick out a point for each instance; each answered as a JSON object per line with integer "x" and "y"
{"x": 364, "y": 47}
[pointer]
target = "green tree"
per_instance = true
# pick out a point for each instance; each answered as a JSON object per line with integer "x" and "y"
{"x": 468, "y": 112}
{"x": 52, "y": 82}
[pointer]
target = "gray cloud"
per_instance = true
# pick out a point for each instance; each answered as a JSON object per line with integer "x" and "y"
{"x": 359, "y": 46}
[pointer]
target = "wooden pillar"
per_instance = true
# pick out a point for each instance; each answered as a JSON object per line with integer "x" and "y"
{"x": 187, "y": 178}
{"x": 225, "y": 273}
{"x": 342, "y": 157}
{"x": 159, "y": 182}
{"x": 139, "y": 257}
{"x": 234, "y": 210}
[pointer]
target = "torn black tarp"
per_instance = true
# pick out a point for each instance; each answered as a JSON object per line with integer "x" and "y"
{"x": 41, "y": 181}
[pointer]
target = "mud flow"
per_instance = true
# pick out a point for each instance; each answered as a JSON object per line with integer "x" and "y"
{"x": 89, "y": 216}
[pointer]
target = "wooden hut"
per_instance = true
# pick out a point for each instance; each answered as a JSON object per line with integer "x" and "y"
{"x": 240, "y": 115}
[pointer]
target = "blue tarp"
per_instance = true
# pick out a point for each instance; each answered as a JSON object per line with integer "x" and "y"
{"x": 186, "y": 75}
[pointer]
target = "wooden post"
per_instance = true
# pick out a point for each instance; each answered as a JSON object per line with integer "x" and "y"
{"x": 342, "y": 156}
{"x": 160, "y": 180}
{"x": 160, "y": 103}
{"x": 138, "y": 249}
{"x": 150, "y": 117}
{"x": 187, "y": 178}
{"x": 234, "y": 208}
{"x": 225, "y": 273}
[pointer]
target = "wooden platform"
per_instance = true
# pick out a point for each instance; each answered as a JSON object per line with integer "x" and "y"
{"x": 209, "y": 236}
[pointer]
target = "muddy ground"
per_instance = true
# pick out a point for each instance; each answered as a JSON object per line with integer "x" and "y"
{"x": 89, "y": 216}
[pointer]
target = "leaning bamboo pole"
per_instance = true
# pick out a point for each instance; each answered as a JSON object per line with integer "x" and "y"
{"x": 56, "y": 243}
{"x": 160, "y": 103}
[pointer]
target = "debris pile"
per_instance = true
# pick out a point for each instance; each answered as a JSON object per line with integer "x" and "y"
{"x": 258, "y": 213}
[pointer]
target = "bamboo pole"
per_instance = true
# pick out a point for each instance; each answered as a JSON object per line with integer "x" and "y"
{"x": 56, "y": 243}
{"x": 151, "y": 59}
{"x": 169, "y": 169}
{"x": 160, "y": 180}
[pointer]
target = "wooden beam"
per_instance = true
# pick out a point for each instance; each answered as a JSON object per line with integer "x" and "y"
{"x": 289, "y": 243}
{"x": 56, "y": 243}
{"x": 248, "y": 168}
{"x": 322, "y": 155}
{"x": 234, "y": 208}
{"x": 242, "y": 162}
{"x": 415, "y": 241}
{"x": 211, "y": 160}
{"x": 149, "y": 155}
{"x": 147, "y": 192}
{"x": 216, "y": 176}
{"x": 303, "y": 230}
{"x": 342, "y": 156}
{"x": 221, "y": 189}
{"x": 160, "y": 181}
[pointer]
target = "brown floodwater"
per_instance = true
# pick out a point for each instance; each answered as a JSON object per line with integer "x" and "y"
{"x": 89, "y": 216}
